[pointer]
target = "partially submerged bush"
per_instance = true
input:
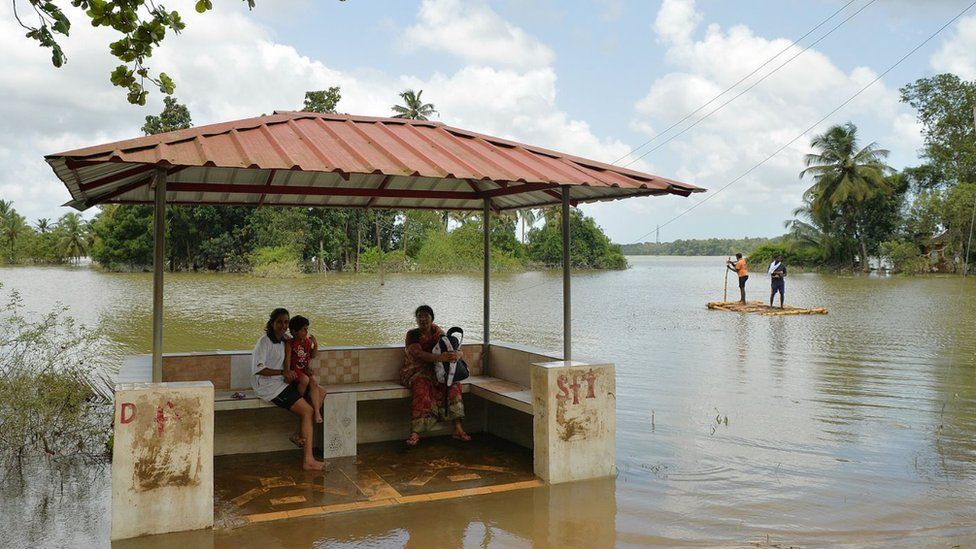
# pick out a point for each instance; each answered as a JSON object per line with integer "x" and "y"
{"x": 55, "y": 391}
{"x": 276, "y": 262}
{"x": 905, "y": 257}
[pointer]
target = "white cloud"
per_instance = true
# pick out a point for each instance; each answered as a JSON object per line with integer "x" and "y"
{"x": 958, "y": 52}
{"x": 477, "y": 34}
{"x": 744, "y": 133}
{"x": 676, "y": 20}
{"x": 227, "y": 66}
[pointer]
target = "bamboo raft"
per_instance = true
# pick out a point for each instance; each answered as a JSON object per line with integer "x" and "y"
{"x": 761, "y": 308}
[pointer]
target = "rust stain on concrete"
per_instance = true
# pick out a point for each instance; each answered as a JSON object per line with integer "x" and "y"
{"x": 167, "y": 453}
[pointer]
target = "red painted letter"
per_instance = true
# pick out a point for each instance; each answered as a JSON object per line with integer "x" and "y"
{"x": 563, "y": 391}
{"x": 575, "y": 387}
{"x": 131, "y": 408}
{"x": 591, "y": 384}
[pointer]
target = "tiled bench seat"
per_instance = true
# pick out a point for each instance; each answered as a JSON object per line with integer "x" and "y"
{"x": 496, "y": 390}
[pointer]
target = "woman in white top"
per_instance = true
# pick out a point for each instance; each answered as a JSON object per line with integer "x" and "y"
{"x": 273, "y": 384}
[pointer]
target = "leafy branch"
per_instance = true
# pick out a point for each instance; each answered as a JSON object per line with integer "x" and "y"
{"x": 142, "y": 25}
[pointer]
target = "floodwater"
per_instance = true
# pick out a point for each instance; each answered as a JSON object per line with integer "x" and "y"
{"x": 857, "y": 428}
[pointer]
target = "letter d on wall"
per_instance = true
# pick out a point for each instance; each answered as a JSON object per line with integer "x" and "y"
{"x": 127, "y": 413}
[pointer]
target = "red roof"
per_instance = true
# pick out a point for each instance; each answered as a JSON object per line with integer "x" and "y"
{"x": 330, "y": 160}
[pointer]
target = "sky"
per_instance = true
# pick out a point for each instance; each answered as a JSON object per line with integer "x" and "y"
{"x": 596, "y": 79}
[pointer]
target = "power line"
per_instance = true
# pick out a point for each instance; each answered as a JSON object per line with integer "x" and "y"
{"x": 817, "y": 123}
{"x": 751, "y": 86}
{"x": 733, "y": 86}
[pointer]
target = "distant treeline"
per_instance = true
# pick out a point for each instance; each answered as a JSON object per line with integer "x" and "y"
{"x": 708, "y": 246}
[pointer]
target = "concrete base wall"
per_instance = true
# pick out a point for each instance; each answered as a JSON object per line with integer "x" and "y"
{"x": 162, "y": 459}
{"x": 508, "y": 424}
{"x": 574, "y": 424}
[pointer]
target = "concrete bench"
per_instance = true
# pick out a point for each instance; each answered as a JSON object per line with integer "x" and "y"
{"x": 490, "y": 388}
{"x": 366, "y": 403}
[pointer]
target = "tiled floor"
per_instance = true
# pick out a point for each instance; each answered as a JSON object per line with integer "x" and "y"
{"x": 271, "y": 486}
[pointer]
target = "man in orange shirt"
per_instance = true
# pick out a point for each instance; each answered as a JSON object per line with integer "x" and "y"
{"x": 739, "y": 267}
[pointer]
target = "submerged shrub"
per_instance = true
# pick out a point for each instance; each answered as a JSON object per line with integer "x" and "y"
{"x": 55, "y": 390}
{"x": 275, "y": 262}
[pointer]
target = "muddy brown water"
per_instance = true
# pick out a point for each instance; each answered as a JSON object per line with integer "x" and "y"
{"x": 857, "y": 428}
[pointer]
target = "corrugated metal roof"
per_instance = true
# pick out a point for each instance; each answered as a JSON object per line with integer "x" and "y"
{"x": 329, "y": 160}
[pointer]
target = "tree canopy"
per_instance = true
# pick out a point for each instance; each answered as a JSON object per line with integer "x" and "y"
{"x": 413, "y": 107}
{"x": 322, "y": 100}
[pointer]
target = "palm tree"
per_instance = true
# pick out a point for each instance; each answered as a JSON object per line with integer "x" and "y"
{"x": 414, "y": 108}
{"x": 6, "y": 208}
{"x": 528, "y": 216}
{"x": 809, "y": 231}
{"x": 12, "y": 228}
{"x": 43, "y": 225}
{"x": 844, "y": 176}
{"x": 74, "y": 236}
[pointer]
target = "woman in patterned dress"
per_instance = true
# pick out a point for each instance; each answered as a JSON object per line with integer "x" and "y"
{"x": 417, "y": 374}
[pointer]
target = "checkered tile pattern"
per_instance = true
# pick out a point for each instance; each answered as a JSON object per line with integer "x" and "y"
{"x": 336, "y": 367}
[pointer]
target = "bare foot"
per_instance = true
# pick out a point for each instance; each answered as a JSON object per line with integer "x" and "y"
{"x": 462, "y": 436}
{"x": 318, "y": 418}
{"x": 413, "y": 439}
{"x": 313, "y": 465}
{"x": 297, "y": 440}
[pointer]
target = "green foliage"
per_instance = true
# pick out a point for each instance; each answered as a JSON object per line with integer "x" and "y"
{"x": 904, "y": 257}
{"x": 792, "y": 254}
{"x": 175, "y": 116}
{"x": 589, "y": 247}
{"x": 275, "y": 262}
{"x": 55, "y": 392}
{"x": 845, "y": 178}
{"x": 708, "y": 246}
{"x": 322, "y": 100}
{"x": 413, "y": 107}
{"x": 462, "y": 250}
{"x": 123, "y": 237}
{"x": 945, "y": 108}
{"x": 393, "y": 261}
{"x": 141, "y": 25}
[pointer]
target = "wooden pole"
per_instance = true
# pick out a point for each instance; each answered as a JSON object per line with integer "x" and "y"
{"x": 725, "y": 295}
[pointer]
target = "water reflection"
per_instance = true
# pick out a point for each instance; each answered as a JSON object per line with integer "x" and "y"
{"x": 858, "y": 427}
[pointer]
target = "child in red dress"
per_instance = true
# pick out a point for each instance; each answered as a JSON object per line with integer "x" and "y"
{"x": 299, "y": 350}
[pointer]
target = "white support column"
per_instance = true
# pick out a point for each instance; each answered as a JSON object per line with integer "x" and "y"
{"x": 159, "y": 258}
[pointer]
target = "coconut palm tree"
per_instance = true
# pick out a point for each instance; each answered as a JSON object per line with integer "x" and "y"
{"x": 74, "y": 236}
{"x": 13, "y": 227}
{"x": 43, "y": 225}
{"x": 528, "y": 217}
{"x": 413, "y": 107}
{"x": 844, "y": 176}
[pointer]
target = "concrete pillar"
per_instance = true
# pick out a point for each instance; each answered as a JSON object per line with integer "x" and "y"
{"x": 339, "y": 425}
{"x": 162, "y": 459}
{"x": 574, "y": 420}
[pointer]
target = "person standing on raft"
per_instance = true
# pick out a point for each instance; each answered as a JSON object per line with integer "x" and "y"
{"x": 777, "y": 275}
{"x": 739, "y": 267}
